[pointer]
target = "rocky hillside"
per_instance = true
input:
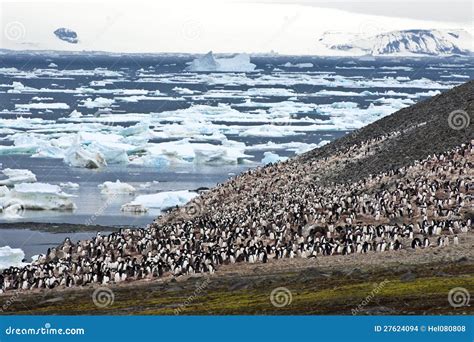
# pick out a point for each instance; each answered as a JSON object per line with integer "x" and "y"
{"x": 431, "y": 126}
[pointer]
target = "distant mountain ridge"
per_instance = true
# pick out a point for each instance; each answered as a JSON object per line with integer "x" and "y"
{"x": 403, "y": 43}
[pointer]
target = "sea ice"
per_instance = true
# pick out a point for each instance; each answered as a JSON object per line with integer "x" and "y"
{"x": 270, "y": 157}
{"x": 79, "y": 157}
{"x": 162, "y": 200}
{"x": 117, "y": 187}
{"x": 35, "y": 196}
{"x": 16, "y": 176}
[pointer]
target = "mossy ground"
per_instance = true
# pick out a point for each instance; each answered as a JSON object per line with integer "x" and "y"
{"x": 420, "y": 290}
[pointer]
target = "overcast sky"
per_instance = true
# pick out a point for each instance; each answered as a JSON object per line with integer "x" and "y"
{"x": 284, "y": 26}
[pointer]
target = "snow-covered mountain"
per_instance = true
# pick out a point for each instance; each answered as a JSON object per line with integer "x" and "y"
{"x": 402, "y": 43}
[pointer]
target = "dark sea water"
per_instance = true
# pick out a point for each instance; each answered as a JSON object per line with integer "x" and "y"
{"x": 302, "y": 104}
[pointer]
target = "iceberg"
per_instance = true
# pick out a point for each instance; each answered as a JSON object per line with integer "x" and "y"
{"x": 35, "y": 196}
{"x": 270, "y": 157}
{"x": 11, "y": 257}
{"x": 98, "y": 102}
{"x": 16, "y": 176}
{"x": 207, "y": 63}
{"x": 183, "y": 151}
{"x": 70, "y": 185}
{"x": 75, "y": 114}
{"x": 79, "y": 157}
{"x": 298, "y": 65}
{"x": 117, "y": 187}
{"x": 163, "y": 200}
{"x": 113, "y": 153}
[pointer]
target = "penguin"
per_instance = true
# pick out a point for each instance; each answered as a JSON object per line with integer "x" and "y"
{"x": 416, "y": 243}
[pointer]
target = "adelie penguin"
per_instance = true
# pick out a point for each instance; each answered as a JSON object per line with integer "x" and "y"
{"x": 416, "y": 243}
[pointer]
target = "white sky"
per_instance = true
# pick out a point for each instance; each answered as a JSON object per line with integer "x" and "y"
{"x": 287, "y": 27}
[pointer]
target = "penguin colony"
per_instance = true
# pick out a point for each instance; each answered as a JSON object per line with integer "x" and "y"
{"x": 275, "y": 212}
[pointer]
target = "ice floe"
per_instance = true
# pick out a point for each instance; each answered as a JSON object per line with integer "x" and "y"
{"x": 298, "y": 65}
{"x": 163, "y": 200}
{"x": 16, "y": 176}
{"x": 33, "y": 196}
{"x": 115, "y": 188}
{"x": 270, "y": 157}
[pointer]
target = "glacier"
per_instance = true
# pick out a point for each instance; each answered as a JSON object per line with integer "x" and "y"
{"x": 415, "y": 42}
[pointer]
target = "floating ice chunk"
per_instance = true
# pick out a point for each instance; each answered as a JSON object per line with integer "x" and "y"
{"x": 42, "y": 105}
{"x": 163, "y": 200}
{"x": 269, "y": 131}
{"x": 98, "y": 102}
{"x": 79, "y": 157}
{"x": 238, "y": 63}
{"x": 70, "y": 185}
{"x": 134, "y": 208}
{"x": 183, "y": 91}
{"x": 298, "y": 65}
{"x": 52, "y": 65}
{"x": 270, "y": 157}
{"x": 40, "y": 196}
{"x": 117, "y": 187}
{"x": 113, "y": 153}
{"x": 16, "y": 176}
{"x": 24, "y": 149}
{"x": 11, "y": 257}
{"x": 183, "y": 151}
{"x": 139, "y": 129}
{"x": 75, "y": 114}
{"x": 46, "y": 150}
{"x": 156, "y": 161}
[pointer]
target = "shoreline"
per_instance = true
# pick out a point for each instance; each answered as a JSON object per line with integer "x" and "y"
{"x": 61, "y": 227}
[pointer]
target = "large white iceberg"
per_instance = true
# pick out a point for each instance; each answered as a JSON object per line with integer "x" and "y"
{"x": 79, "y": 157}
{"x": 16, "y": 176}
{"x": 238, "y": 63}
{"x": 11, "y": 257}
{"x": 33, "y": 196}
{"x": 42, "y": 196}
{"x": 163, "y": 200}
{"x": 270, "y": 157}
{"x": 183, "y": 151}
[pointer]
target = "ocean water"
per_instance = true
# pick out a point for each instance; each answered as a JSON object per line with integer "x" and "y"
{"x": 288, "y": 105}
